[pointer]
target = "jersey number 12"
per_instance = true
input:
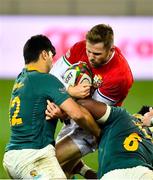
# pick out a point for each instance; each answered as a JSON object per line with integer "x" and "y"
{"x": 14, "y": 120}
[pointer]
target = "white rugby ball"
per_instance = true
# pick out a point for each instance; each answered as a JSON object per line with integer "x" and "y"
{"x": 78, "y": 73}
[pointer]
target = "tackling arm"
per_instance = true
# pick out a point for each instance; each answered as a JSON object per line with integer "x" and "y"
{"x": 99, "y": 110}
{"x": 78, "y": 113}
{"x": 81, "y": 116}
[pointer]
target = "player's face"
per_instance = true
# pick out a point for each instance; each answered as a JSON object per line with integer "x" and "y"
{"x": 97, "y": 54}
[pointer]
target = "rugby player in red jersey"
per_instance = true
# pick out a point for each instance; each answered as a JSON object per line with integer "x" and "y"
{"x": 112, "y": 80}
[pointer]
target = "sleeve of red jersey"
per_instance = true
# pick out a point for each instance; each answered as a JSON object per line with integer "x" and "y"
{"x": 63, "y": 63}
{"x": 112, "y": 92}
{"x": 72, "y": 56}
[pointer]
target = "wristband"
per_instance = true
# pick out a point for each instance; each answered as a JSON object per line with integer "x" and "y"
{"x": 104, "y": 118}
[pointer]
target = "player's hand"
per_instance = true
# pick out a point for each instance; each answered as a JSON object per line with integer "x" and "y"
{"x": 53, "y": 111}
{"x": 80, "y": 91}
{"x": 147, "y": 117}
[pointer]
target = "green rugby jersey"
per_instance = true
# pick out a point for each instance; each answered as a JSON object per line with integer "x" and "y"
{"x": 124, "y": 143}
{"x": 30, "y": 93}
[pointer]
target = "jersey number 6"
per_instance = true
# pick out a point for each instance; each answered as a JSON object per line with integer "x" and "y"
{"x": 131, "y": 143}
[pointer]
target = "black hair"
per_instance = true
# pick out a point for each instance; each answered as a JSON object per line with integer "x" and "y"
{"x": 144, "y": 109}
{"x": 34, "y": 46}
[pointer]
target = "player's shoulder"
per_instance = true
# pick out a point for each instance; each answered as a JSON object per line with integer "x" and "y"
{"x": 44, "y": 80}
{"x": 79, "y": 46}
{"x": 76, "y": 53}
{"x": 80, "y": 43}
{"x": 120, "y": 59}
{"x": 49, "y": 77}
{"x": 118, "y": 113}
{"x": 121, "y": 65}
{"x": 40, "y": 77}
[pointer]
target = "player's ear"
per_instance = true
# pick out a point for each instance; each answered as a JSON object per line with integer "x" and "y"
{"x": 112, "y": 49}
{"x": 44, "y": 54}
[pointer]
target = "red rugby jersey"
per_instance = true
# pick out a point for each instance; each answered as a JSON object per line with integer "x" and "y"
{"x": 113, "y": 79}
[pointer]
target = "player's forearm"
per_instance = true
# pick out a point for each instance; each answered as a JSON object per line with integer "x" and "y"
{"x": 88, "y": 123}
{"x": 97, "y": 109}
{"x": 81, "y": 116}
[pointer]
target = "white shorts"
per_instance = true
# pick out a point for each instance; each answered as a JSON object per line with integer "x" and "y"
{"x": 135, "y": 173}
{"x": 83, "y": 139}
{"x": 33, "y": 164}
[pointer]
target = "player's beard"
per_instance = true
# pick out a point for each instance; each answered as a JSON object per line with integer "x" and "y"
{"x": 94, "y": 64}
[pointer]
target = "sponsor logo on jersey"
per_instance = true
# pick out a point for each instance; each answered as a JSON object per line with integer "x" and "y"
{"x": 62, "y": 90}
{"x": 97, "y": 81}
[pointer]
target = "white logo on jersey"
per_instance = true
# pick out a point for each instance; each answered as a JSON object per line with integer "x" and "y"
{"x": 62, "y": 90}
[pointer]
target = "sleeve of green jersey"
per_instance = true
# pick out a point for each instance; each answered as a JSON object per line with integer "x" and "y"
{"x": 55, "y": 90}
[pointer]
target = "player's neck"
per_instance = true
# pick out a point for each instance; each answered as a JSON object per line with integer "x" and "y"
{"x": 35, "y": 67}
{"x": 110, "y": 57}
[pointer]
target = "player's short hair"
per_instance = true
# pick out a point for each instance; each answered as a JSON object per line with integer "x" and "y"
{"x": 144, "y": 109}
{"x": 34, "y": 46}
{"x": 101, "y": 33}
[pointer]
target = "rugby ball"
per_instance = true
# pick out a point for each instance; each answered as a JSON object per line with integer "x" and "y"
{"x": 78, "y": 73}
